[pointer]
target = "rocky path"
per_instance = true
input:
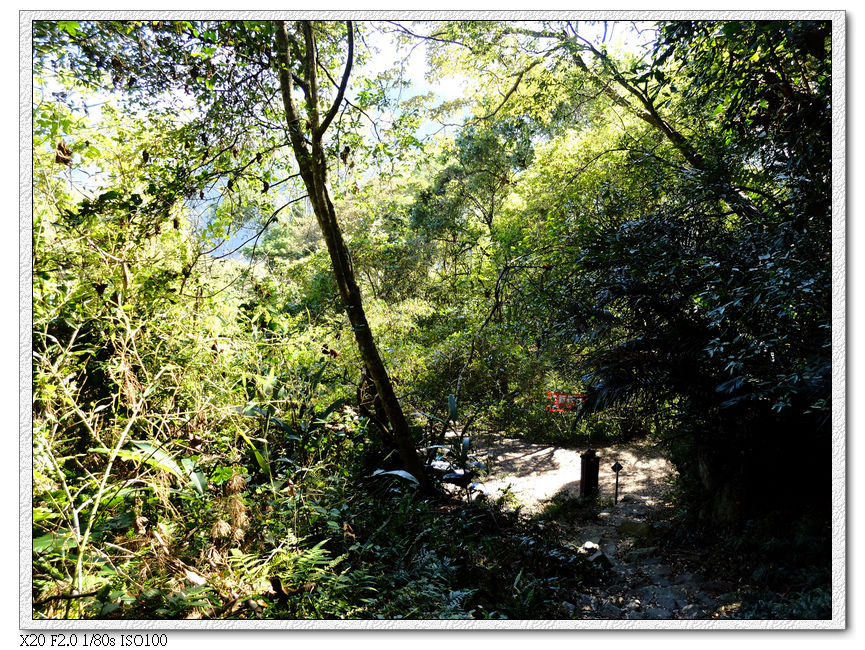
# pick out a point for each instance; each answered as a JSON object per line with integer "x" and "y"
{"x": 642, "y": 581}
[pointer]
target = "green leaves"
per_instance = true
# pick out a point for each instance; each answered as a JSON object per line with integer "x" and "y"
{"x": 452, "y": 408}
{"x": 71, "y": 27}
{"x": 559, "y": 241}
{"x": 195, "y": 475}
{"x": 55, "y": 541}
{"x": 155, "y": 456}
{"x": 260, "y": 458}
{"x": 396, "y": 472}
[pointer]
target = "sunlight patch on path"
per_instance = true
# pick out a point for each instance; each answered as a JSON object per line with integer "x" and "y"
{"x": 532, "y": 474}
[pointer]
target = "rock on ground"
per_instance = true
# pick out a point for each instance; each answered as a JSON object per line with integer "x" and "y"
{"x": 639, "y": 584}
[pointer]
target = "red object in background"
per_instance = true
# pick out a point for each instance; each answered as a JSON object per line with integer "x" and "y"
{"x": 565, "y": 401}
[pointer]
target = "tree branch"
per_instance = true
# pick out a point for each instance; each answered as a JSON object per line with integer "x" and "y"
{"x": 353, "y": 105}
{"x": 512, "y": 89}
{"x": 257, "y": 235}
{"x": 286, "y": 85}
{"x": 340, "y": 93}
{"x": 299, "y": 82}
{"x": 431, "y": 37}
{"x": 311, "y": 81}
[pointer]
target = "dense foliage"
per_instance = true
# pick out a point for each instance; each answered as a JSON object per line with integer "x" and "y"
{"x": 265, "y": 290}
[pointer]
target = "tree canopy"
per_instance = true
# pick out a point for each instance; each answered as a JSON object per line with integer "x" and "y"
{"x": 276, "y": 291}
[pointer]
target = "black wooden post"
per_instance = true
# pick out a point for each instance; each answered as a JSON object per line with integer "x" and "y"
{"x": 617, "y": 467}
{"x": 589, "y": 466}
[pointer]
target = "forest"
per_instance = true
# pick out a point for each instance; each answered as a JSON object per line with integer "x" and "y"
{"x": 292, "y": 281}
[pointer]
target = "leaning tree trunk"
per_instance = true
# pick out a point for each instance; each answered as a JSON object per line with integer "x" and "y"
{"x": 313, "y": 170}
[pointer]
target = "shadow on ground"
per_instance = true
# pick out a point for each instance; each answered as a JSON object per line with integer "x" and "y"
{"x": 532, "y": 474}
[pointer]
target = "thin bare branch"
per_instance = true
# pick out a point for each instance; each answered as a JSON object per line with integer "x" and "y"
{"x": 430, "y": 37}
{"x": 512, "y": 89}
{"x": 260, "y": 232}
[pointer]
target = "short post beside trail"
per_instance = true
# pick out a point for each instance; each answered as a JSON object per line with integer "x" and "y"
{"x": 589, "y": 466}
{"x": 617, "y": 467}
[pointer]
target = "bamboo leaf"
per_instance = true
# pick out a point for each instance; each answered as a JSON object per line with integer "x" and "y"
{"x": 261, "y": 460}
{"x": 195, "y": 477}
{"x": 155, "y": 456}
{"x": 53, "y": 541}
{"x": 396, "y": 472}
{"x": 148, "y": 454}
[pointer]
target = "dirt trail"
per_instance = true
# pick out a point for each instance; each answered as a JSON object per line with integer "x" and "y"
{"x": 534, "y": 473}
{"x": 642, "y": 581}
